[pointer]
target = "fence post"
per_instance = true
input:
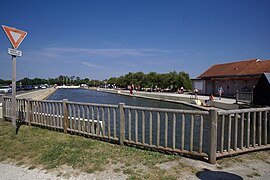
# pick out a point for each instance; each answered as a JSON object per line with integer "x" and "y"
{"x": 2, "y": 115}
{"x": 213, "y": 136}
{"x": 65, "y": 108}
{"x": 3, "y": 106}
{"x": 28, "y": 111}
{"x": 122, "y": 124}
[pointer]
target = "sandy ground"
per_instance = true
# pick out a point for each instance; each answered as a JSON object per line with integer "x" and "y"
{"x": 13, "y": 172}
{"x": 247, "y": 168}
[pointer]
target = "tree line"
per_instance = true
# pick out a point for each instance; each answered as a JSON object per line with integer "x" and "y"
{"x": 172, "y": 81}
{"x": 61, "y": 80}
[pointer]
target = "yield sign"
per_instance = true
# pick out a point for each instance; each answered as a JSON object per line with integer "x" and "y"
{"x": 15, "y": 36}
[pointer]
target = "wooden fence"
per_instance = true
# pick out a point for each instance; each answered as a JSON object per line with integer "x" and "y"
{"x": 242, "y": 130}
{"x": 208, "y": 134}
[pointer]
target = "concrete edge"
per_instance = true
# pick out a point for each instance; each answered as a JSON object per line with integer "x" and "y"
{"x": 156, "y": 98}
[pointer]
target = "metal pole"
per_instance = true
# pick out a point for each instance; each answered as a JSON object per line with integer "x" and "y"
{"x": 14, "y": 103}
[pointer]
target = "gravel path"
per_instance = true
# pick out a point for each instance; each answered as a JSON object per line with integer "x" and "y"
{"x": 13, "y": 172}
{"x": 8, "y": 171}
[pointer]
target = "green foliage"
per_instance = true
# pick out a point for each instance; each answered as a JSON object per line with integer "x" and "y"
{"x": 61, "y": 80}
{"x": 172, "y": 80}
{"x": 5, "y": 82}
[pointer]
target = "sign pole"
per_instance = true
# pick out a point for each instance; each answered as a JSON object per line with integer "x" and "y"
{"x": 15, "y": 37}
{"x": 14, "y": 103}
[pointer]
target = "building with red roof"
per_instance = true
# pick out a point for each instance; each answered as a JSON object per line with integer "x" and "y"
{"x": 232, "y": 77}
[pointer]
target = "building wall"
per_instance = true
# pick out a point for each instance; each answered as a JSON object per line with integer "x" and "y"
{"x": 199, "y": 84}
{"x": 229, "y": 86}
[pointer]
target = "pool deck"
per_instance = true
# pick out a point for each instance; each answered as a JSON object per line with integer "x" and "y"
{"x": 40, "y": 94}
{"x": 186, "y": 99}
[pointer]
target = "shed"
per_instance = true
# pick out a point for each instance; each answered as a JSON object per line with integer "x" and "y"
{"x": 261, "y": 92}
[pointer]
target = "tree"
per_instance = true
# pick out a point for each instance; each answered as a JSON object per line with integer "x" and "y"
{"x": 5, "y": 82}
{"x": 112, "y": 80}
{"x": 184, "y": 80}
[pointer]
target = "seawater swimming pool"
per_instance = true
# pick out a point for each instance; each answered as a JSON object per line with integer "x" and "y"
{"x": 163, "y": 127}
{"x": 93, "y": 96}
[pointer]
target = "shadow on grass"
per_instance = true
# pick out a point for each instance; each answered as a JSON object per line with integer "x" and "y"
{"x": 18, "y": 125}
{"x": 207, "y": 174}
{"x": 20, "y": 122}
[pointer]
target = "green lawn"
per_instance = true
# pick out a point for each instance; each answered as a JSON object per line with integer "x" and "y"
{"x": 38, "y": 147}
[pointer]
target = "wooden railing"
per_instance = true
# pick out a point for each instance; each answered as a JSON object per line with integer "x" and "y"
{"x": 243, "y": 130}
{"x": 97, "y": 120}
{"x": 181, "y": 131}
{"x": 246, "y": 97}
{"x": 208, "y": 134}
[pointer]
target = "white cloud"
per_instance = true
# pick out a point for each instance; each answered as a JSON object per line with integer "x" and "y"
{"x": 90, "y": 64}
{"x": 52, "y": 52}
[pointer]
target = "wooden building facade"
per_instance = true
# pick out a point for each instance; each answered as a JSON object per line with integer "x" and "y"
{"x": 232, "y": 77}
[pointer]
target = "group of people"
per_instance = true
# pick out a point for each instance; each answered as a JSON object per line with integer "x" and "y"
{"x": 211, "y": 96}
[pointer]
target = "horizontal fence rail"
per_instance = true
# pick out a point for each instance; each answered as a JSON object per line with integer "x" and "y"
{"x": 243, "y": 130}
{"x": 208, "y": 134}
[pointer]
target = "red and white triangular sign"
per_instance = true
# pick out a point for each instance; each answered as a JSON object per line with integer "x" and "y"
{"x": 15, "y": 36}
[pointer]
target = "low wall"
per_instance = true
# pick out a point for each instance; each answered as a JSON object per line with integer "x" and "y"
{"x": 68, "y": 87}
{"x": 37, "y": 95}
{"x": 225, "y": 106}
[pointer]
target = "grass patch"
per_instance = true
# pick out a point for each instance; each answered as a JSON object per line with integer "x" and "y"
{"x": 254, "y": 174}
{"x": 117, "y": 170}
{"x": 50, "y": 149}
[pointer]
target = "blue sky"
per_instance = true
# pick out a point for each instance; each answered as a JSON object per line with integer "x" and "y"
{"x": 99, "y": 39}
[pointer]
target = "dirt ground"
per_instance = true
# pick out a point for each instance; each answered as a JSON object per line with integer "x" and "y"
{"x": 249, "y": 166}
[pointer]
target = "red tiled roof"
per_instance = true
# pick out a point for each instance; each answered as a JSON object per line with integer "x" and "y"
{"x": 240, "y": 68}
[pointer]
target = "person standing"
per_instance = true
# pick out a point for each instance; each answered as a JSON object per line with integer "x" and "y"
{"x": 196, "y": 91}
{"x": 130, "y": 89}
{"x": 182, "y": 90}
{"x": 220, "y": 92}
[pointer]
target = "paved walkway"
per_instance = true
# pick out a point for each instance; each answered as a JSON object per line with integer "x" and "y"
{"x": 187, "y": 99}
{"x": 200, "y": 97}
{"x": 40, "y": 94}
